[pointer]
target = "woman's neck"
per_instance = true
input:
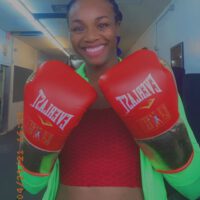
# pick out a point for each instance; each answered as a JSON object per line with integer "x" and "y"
{"x": 94, "y": 72}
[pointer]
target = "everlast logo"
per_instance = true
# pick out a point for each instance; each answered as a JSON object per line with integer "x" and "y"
{"x": 146, "y": 89}
{"x": 56, "y": 115}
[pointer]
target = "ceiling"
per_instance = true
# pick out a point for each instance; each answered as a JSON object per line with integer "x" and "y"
{"x": 138, "y": 16}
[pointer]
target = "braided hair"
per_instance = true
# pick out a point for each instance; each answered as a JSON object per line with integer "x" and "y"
{"x": 118, "y": 13}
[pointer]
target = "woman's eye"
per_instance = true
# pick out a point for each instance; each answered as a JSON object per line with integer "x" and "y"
{"x": 103, "y": 26}
{"x": 77, "y": 29}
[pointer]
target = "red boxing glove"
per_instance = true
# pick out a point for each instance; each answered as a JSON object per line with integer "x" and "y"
{"x": 54, "y": 102}
{"x": 143, "y": 92}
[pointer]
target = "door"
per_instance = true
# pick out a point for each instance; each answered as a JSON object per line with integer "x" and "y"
{"x": 4, "y": 96}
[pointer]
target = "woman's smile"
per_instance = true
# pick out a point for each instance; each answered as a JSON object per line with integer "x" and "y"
{"x": 94, "y": 51}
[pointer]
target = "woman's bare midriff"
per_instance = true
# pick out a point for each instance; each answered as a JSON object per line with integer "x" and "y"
{"x": 99, "y": 193}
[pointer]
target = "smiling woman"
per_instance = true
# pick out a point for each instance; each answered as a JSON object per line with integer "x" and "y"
{"x": 100, "y": 160}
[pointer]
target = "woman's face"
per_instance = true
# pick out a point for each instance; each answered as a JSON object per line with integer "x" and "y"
{"x": 93, "y": 31}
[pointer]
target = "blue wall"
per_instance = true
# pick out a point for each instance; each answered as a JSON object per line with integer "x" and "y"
{"x": 181, "y": 23}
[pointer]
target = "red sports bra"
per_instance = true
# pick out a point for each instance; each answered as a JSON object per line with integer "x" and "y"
{"x": 100, "y": 152}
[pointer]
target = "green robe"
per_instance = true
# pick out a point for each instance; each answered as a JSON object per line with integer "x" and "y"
{"x": 187, "y": 181}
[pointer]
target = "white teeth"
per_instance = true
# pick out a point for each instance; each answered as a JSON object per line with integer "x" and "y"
{"x": 94, "y": 49}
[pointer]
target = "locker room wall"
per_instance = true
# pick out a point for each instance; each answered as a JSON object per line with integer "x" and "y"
{"x": 27, "y": 57}
{"x": 15, "y": 52}
{"x": 178, "y": 22}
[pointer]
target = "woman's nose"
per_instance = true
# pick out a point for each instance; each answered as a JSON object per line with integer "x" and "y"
{"x": 91, "y": 35}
